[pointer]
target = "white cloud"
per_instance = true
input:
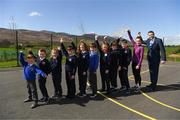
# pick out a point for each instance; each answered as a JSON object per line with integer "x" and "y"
{"x": 34, "y": 13}
{"x": 172, "y": 40}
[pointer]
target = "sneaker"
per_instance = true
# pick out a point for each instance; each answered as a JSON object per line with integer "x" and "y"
{"x": 122, "y": 88}
{"x": 80, "y": 95}
{"x": 128, "y": 91}
{"x": 93, "y": 95}
{"x": 138, "y": 88}
{"x": 28, "y": 100}
{"x": 34, "y": 105}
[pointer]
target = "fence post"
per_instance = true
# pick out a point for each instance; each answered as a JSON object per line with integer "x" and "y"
{"x": 17, "y": 48}
{"x": 51, "y": 43}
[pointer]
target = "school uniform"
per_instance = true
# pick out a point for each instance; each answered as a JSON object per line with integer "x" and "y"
{"x": 70, "y": 70}
{"x": 115, "y": 58}
{"x": 93, "y": 66}
{"x": 44, "y": 65}
{"x": 83, "y": 64}
{"x": 104, "y": 68}
{"x": 30, "y": 71}
{"x": 56, "y": 70}
{"x": 123, "y": 72}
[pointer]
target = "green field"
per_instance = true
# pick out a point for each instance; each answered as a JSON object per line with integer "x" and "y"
{"x": 8, "y": 55}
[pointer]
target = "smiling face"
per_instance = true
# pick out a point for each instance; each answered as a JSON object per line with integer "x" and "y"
{"x": 151, "y": 35}
{"x": 82, "y": 47}
{"x": 70, "y": 50}
{"x": 105, "y": 48}
{"x": 30, "y": 59}
{"x": 42, "y": 54}
{"x": 138, "y": 41}
{"x": 54, "y": 53}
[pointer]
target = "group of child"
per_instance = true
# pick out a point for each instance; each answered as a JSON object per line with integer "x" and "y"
{"x": 113, "y": 58}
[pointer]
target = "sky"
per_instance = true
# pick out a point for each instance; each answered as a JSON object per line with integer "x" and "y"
{"x": 105, "y": 17}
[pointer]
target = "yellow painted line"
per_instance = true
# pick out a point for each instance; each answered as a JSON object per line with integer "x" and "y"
{"x": 124, "y": 106}
{"x": 159, "y": 102}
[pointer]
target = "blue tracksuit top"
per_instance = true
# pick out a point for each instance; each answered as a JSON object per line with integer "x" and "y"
{"x": 30, "y": 70}
{"x": 93, "y": 61}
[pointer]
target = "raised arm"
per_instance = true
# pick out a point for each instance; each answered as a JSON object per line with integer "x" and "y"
{"x": 21, "y": 59}
{"x": 63, "y": 48}
{"x": 97, "y": 44}
{"x": 130, "y": 37}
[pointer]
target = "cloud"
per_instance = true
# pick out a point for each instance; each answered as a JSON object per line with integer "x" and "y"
{"x": 34, "y": 13}
{"x": 172, "y": 40}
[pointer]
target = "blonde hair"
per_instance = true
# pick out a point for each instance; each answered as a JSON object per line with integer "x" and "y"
{"x": 52, "y": 51}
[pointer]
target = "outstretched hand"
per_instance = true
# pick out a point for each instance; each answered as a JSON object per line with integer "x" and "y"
{"x": 61, "y": 40}
{"x": 96, "y": 37}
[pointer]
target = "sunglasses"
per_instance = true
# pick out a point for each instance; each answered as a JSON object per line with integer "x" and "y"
{"x": 29, "y": 57}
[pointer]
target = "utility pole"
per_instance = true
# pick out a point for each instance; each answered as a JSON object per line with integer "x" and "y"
{"x": 12, "y": 25}
{"x": 51, "y": 42}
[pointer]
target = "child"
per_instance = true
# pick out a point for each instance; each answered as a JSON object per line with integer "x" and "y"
{"x": 104, "y": 65}
{"x": 70, "y": 69}
{"x": 123, "y": 73}
{"x": 93, "y": 65}
{"x": 115, "y": 58}
{"x": 30, "y": 70}
{"x": 56, "y": 69}
{"x": 83, "y": 64}
{"x": 44, "y": 65}
{"x": 138, "y": 54}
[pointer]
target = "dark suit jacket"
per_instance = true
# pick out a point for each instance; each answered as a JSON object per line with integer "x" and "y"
{"x": 155, "y": 50}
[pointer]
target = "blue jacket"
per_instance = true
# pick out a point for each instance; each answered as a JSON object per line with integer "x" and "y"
{"x": 155, "y": 49}
{"x": 93, "y": 61}
{"x": 30, "y": 70}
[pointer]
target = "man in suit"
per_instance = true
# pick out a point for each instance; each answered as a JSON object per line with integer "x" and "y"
{"x": 155, "y": 47}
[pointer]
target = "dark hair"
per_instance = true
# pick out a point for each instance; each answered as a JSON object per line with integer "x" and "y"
{"x": 114, "y": 43}
{"x": 124, "y": 41}
{"x": 151, "y": 31}
{"x": 42, "y": 50}
{"x": 70, "y": 47}
{"x": 139, "y": 37}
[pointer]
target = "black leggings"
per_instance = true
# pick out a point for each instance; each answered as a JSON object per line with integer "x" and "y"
{"x": 136, "y": 73}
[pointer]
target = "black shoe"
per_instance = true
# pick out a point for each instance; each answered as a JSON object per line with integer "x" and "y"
{"x": 70, "y": 96}
{"x": 28, "y": 100}
{"x": 54, "y": 96}
{"x": 128, "y": 91}
{"x": 42, "y": 99}
{"x": 102, "y": 90}
{"x": 149, "y": 86}
{"x": 34, "y": 105}
{"x": 93, "y": 95}
{"x": 122, "y": 88}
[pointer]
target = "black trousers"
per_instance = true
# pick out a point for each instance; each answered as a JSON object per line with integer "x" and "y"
{"x": 93, "y": 81}
{"x": 105, "y": 79}
{"x": 82, "y": 82}
{"x": 136, "y": 73}
{"x": 123, "y": 75}
{"x": 154, "y": 71}
{"x": 32, "y": 90}
{"x": 57, "y": 84}
{"x": 71, "y": 86}
{"x": 42, "y": 86}
{"x": 113, "y": 76}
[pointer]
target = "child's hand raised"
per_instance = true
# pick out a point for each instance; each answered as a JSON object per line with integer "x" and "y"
{"x": 96, "y": 37}
{"x": 61, "y": 40}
